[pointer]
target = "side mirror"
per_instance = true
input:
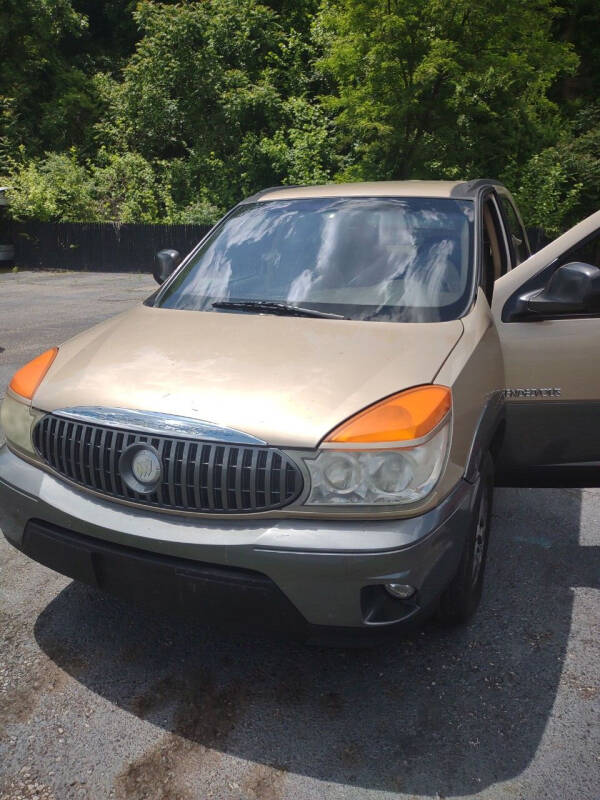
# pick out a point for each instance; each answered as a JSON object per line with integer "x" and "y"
{"x": 573, "y": 288}
{"x": 167, "y": 262}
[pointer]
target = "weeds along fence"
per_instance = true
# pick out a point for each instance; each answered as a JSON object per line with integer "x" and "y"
{"x": 98, "y": 247}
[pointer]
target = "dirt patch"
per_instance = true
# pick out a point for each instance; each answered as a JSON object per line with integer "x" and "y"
{"x": 160, "y": 695}
{"x": 153, "y": 775}
{"x": 204, "y": 716}
{"x": 206, "y": 713}
{"x": 351, "y": 755}
{"x": 20, "y": 701}
{"x": 586, "y": 691}
{"x": 264, "y": 783}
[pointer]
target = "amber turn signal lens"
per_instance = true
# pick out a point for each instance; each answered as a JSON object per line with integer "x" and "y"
{"x": 26, "y": 380}
{"x": 401, "y": 417}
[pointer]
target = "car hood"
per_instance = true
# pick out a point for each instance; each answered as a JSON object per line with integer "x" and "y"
{"x": 285, "y": 380}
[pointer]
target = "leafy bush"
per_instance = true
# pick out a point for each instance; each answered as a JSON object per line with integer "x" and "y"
{"x": 201, "y": 212}
{"x": 127, "y": 189}
{"x": 561, "y": 185}
{"x": 54, "y": 189}
{"x": 121, "y": 188}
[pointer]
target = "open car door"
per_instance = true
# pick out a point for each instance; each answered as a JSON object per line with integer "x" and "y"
{"x": 547, "y": 312}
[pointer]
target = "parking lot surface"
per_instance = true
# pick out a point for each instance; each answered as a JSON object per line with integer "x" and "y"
{"x": 101, "y": 700}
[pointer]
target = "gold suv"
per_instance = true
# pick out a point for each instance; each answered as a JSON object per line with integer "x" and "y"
{"x": 302, "y": 426}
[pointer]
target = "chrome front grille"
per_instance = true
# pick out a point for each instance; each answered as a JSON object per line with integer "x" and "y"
{"x": 199, "y": 476}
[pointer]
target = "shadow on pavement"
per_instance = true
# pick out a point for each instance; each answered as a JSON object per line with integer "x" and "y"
{"x": 442, "y": 711}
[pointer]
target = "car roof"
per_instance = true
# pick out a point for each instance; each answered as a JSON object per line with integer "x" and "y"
{"x": 455, "y": 189}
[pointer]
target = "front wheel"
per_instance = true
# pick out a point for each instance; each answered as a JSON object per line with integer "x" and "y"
{"x": 460, "y": 599}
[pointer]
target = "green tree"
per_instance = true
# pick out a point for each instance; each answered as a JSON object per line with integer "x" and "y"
{"x": 561, "y": 185}
{"x": 436, "y": 88}
{"x": 578, "y": 23}
{"x": 198, "y": 72}
{"x": 35, "y": 75}
{"x": 222, "y": 88}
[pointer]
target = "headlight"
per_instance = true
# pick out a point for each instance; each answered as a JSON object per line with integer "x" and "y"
{"x": 16, "y": 415}
{"x": 384, "y": 477}
{"x": 26, "y": 380}
{"x": 390, "y": 454}
{"x": 17, "y": 420}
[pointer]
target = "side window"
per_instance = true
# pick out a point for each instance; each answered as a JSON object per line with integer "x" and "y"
{"x": 518, "y": 238}
{"x": 494, "y": 256}
{"x": 588, "y": 252}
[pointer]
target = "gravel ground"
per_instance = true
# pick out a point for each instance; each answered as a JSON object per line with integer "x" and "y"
{"x": 99, "y": 700}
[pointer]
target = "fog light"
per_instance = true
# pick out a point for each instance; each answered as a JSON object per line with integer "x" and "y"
{"x": 400, "y": 590}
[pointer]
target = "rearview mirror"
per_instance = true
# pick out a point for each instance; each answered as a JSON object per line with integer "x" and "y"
{"x": 167, "y": 262}
{"x": 573, "y": 288}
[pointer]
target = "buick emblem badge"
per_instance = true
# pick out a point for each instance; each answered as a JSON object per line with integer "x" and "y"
{"x": 145, "y": 466}
{"x": 140, "y": 468}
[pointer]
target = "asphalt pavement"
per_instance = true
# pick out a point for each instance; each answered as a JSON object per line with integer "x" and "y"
{"x": 101, "y": 700}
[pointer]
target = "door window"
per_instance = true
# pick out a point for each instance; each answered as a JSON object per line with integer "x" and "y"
{"x": 588, "y": 252}
{"x": 495, "y": 258}
{"x": 518, "y": 238}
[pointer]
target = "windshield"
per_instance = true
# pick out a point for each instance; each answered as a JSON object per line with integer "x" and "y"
{"x": 392, "y": 259}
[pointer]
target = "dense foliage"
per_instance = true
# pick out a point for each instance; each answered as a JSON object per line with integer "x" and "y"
{"x": 165, "y": 112}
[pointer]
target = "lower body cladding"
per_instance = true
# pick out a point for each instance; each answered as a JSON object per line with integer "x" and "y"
{"x": 304, "y": 577}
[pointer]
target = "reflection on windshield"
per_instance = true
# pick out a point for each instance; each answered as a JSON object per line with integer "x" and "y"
{"x": 406, "y": 259}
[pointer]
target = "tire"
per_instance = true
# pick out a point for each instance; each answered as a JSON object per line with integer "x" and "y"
{"x": 460, "y": 599}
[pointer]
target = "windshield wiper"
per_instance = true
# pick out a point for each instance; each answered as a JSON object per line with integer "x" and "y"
{"x": 273, "y": 307}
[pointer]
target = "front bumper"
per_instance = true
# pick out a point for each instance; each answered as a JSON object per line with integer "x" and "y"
{"x": 331, "y": 573}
